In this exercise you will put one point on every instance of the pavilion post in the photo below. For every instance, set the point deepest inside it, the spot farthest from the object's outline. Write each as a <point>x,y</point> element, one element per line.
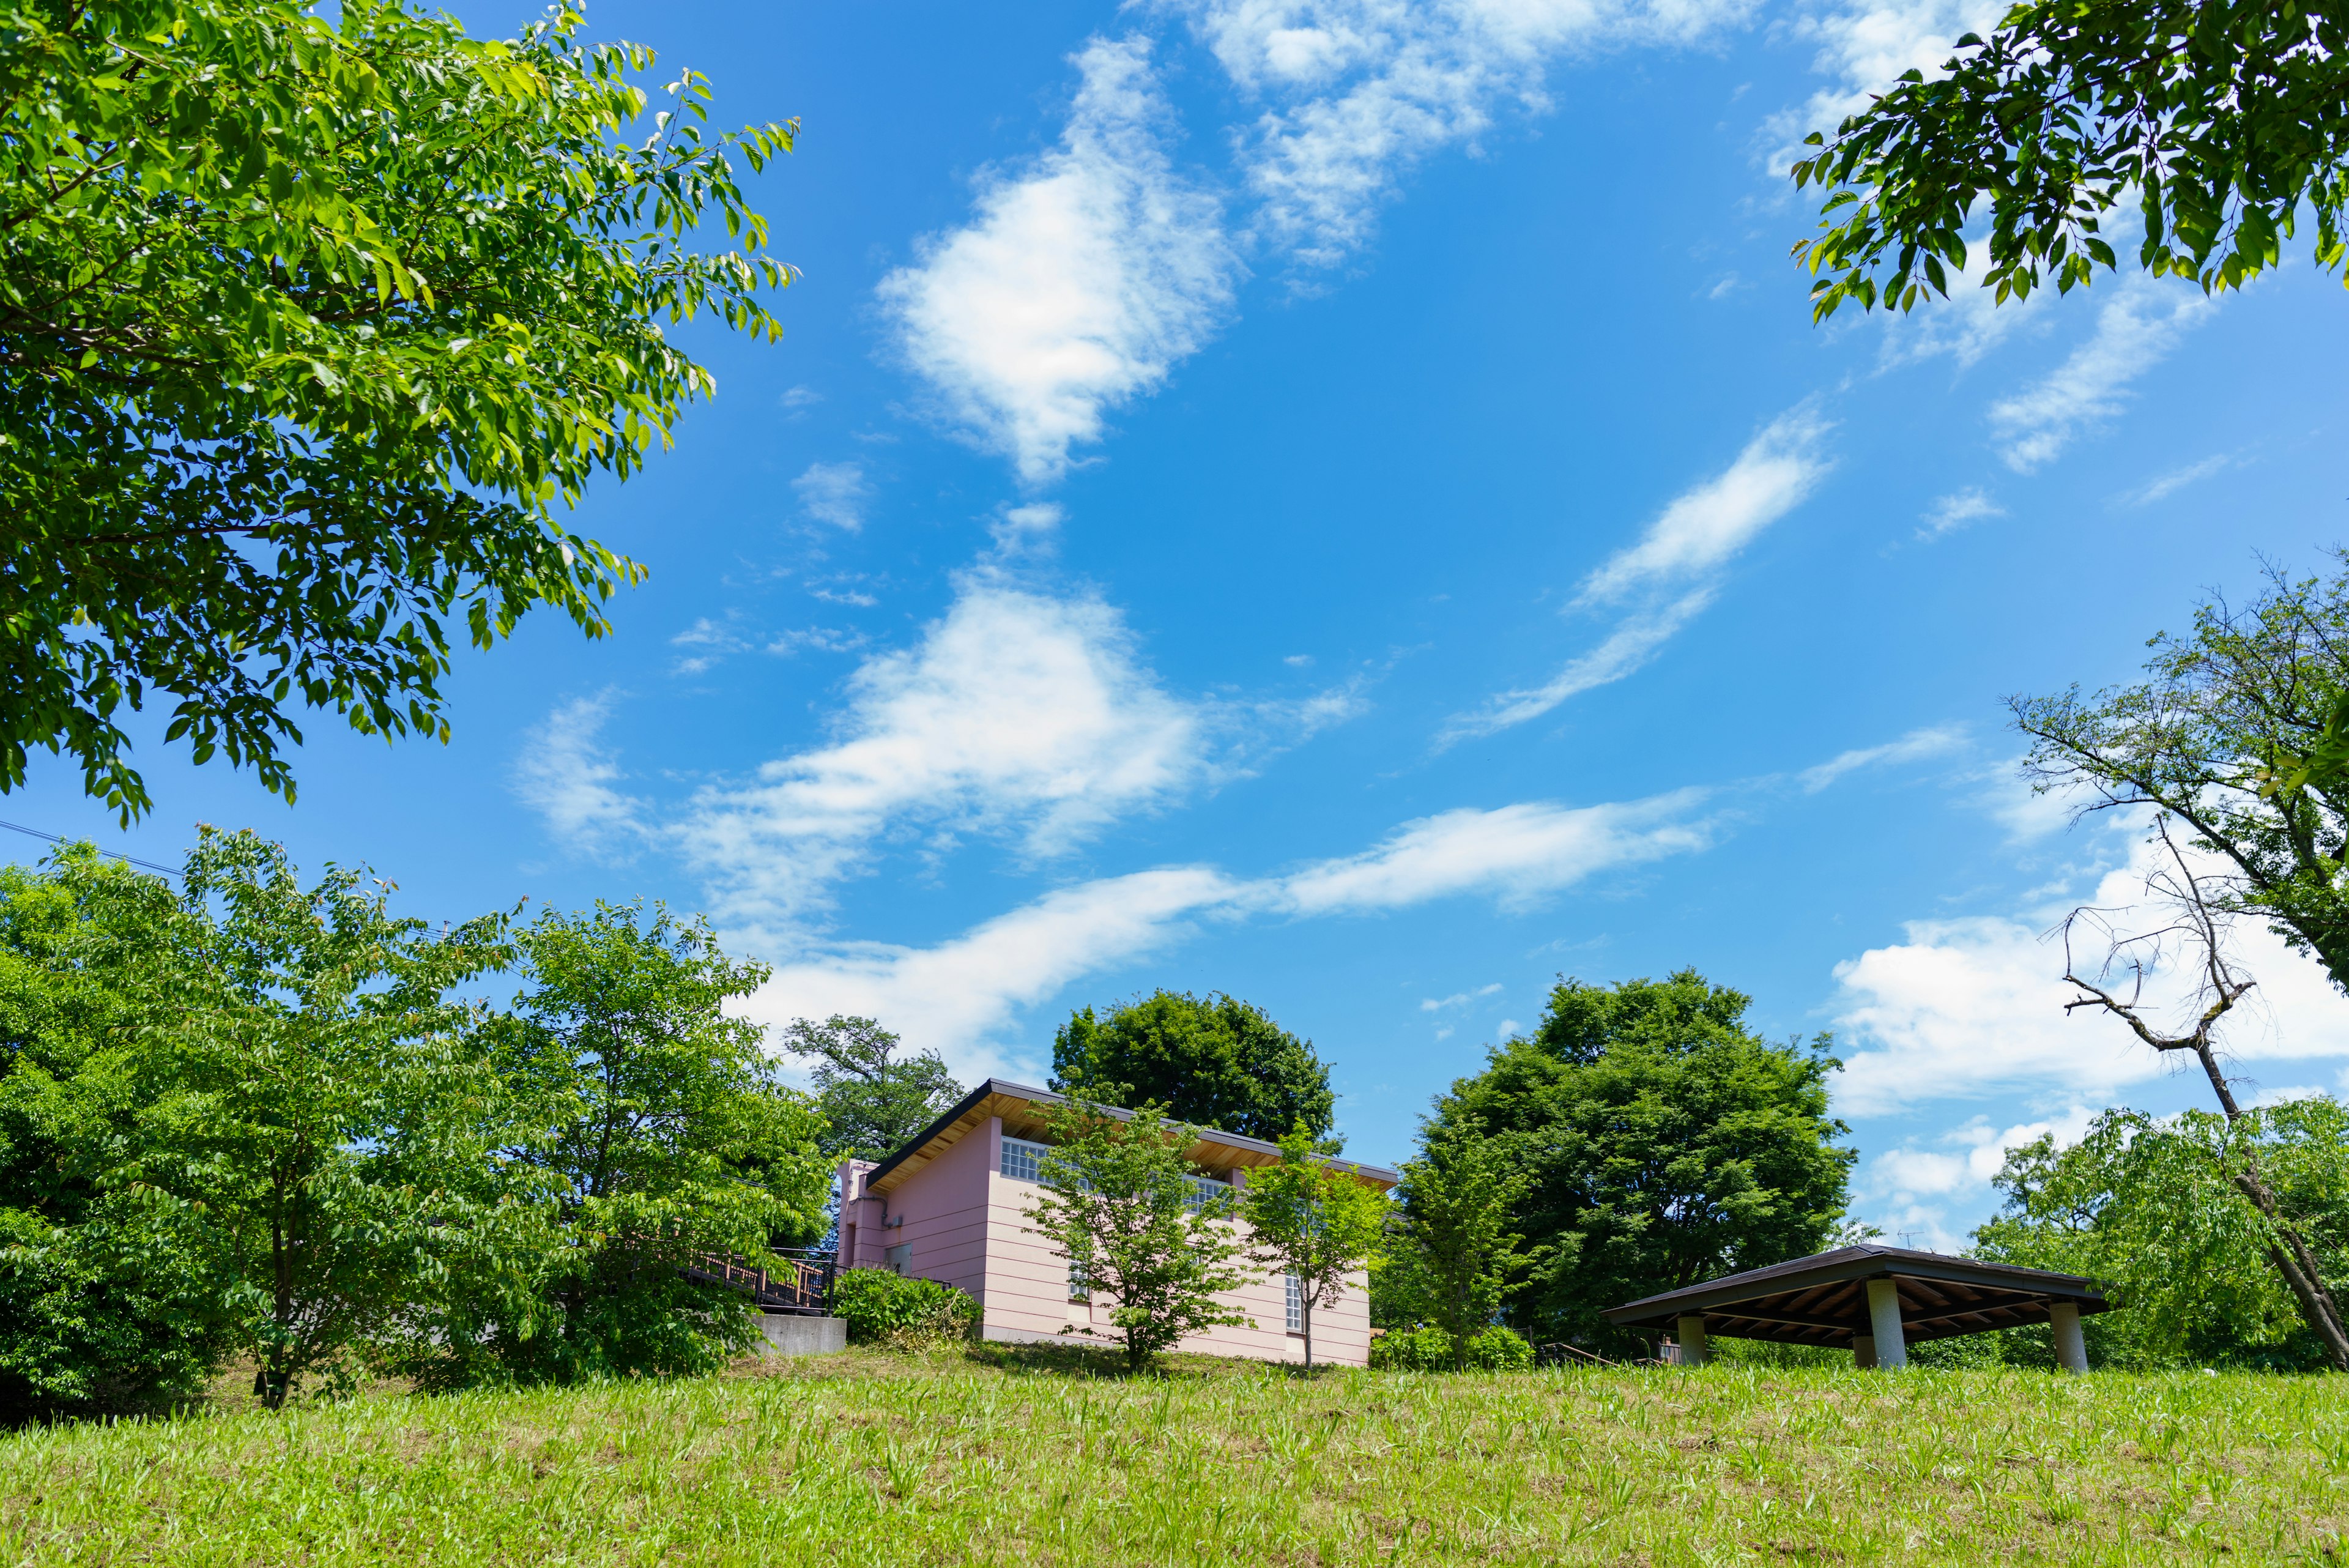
<point>1884,1317</point>
<point>1863,1351</point>
<point>2071,1345</point>
<point>1691,1336</point>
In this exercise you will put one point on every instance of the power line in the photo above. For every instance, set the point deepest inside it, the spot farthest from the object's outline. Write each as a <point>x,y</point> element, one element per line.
<point>56,838</point>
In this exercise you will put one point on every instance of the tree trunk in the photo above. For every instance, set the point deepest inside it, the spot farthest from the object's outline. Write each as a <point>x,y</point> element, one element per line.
<point>1309,1332</point>
<point>2291,1254</point>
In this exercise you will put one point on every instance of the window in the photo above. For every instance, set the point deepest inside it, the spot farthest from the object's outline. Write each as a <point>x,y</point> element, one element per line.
<point>1081,1283</point>
<point>1293,1288</point>
<point>1020,1159</point>
<point>898,1256</point>
<point>1205,1189</point>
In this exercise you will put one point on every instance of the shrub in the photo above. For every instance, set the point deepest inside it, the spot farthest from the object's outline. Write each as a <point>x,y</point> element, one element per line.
<point>883,1308</point>
<point>1496,1349</point>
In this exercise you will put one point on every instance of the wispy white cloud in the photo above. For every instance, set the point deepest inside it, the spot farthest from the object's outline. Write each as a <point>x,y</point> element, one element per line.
<point>961,996</point>
<point>1517,854</point>
<point>1631,644</point>
<point>1914,746</point>
<point>1957,509</point>
<point>2144,320</point>
<point>1019,711</point>
<point>834,492</point>
<point>957,996</point>
<point>1026,531</point>
<point>1458,998</point>
<point>567,776</point>
<point>1079,282</point>
<point>1669,575</point>
<point>1704,527</point>
<point>1357,92</point>
<point>2162,486</point>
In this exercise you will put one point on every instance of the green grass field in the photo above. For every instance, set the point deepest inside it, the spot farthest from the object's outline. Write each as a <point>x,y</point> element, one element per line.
<point>998,1456</point>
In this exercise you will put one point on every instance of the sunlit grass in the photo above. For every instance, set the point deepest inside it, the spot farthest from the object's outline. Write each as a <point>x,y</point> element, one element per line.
<point>1009,1458</point>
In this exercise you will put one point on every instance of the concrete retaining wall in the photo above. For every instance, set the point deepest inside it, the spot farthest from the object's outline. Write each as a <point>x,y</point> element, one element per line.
<point>788,1334</point>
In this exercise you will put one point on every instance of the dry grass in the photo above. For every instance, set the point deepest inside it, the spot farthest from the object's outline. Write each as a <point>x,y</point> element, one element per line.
<point>1041,1458</point>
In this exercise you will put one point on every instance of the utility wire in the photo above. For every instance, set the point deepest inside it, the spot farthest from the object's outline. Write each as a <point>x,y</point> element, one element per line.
<point>131,859</point>
<point>55,838</point>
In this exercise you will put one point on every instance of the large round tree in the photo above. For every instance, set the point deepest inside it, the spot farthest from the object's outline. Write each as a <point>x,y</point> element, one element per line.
<point>1214,1061</point>
<point>1665,1143</point>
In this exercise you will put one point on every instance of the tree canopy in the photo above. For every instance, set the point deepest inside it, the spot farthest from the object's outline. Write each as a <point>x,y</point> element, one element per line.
<point>2151,1206</point>
<point>872,1101</point>
<point>1126,1210</point>
<point>2219,121</point>
<point>1215,1060</point>
<point>2215,736</point>
<point>1314,1223</point>
<point>1663,1143</point>
<point>252,1115</point>
<point>306,323</point>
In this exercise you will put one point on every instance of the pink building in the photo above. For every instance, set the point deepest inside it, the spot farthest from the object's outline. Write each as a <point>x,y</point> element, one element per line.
<point>952,1204</point>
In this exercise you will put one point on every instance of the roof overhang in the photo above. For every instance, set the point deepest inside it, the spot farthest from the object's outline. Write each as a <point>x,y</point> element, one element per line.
<point>1823,1300</point>
<point>1025,1112</point>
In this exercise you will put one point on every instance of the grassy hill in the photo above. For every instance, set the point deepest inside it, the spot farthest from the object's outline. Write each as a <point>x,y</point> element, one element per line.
<point>1027,1459</point>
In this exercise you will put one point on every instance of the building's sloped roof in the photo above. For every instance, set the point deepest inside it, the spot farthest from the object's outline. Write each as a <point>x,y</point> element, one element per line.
<point>1822,1299</point>
<point>1023,1110</point>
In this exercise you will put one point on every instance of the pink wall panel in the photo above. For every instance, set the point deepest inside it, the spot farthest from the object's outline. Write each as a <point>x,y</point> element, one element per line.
<point>965,1224</point>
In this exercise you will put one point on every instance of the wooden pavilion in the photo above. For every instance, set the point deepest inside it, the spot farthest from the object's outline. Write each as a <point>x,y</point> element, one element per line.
<point>1872,1301</point>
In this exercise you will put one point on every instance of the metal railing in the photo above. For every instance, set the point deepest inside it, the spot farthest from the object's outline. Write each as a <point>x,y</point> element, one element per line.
<point>802,1285</point>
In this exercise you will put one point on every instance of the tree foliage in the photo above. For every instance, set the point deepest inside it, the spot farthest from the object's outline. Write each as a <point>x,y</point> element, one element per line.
<point>2217,120</point>
<point>872,1101</point>
<point>1214,1061</point>
<point>312,1132</point>
<point>95,1317</point>
<point>2215,736</point>
<point>1663,1141</point>
<point>661,1128</point>
<point>251,1115</point>
<point>1314,1222</point>
<point>2152,1206</point>
<point>307,322</point>
<point>1453,1261</point>
<point>1118,1198</point>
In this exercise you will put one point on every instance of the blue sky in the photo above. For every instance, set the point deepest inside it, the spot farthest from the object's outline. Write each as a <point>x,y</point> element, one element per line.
<point>1342,501</point>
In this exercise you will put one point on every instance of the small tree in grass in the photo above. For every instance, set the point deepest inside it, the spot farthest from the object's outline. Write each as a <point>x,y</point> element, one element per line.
<point>1128,1210</point>
<point>1315,1222</point>
<point>1457,1202</point>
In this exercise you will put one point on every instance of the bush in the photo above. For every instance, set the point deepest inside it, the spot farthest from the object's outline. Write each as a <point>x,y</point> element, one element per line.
<point>885,1308</point>
<point>1496,1349</point>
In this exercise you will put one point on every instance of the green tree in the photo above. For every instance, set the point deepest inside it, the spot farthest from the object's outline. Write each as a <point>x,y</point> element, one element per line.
<point>1214,1061</point>
<point>2217,120</point>
<point>2197,923</point>
<point>2152,1208</point>
<point>2215,737</point>
<point>661,1123</point>
<point>1459,1200</point>
<point>307,321</point>
<point>1664,1143</point>
<point>1118,1198</point>
<point>1314,1222</point>
<point>872,1101</point>
<point>98,1316</point>
<point>312,1132</point>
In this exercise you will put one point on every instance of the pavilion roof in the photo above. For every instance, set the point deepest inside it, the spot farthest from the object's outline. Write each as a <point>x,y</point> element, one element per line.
<point>1823,1300</point>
